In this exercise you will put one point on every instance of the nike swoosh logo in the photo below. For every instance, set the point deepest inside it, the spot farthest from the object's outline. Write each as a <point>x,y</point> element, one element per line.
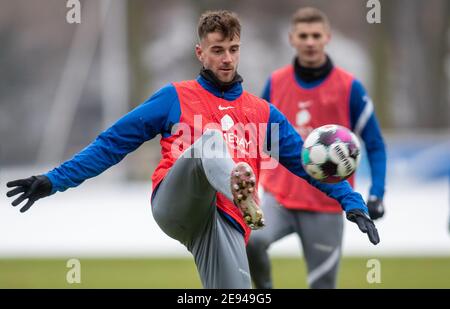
<point>222,108</point>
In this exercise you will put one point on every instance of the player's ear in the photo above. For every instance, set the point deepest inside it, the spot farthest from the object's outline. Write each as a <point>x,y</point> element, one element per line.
<point>327,34</point>
<point>199,52</point>
<point>291,37</point>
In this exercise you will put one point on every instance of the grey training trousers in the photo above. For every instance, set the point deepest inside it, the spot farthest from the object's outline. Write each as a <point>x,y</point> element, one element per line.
<point>320,235</point>
<point>184,207</point>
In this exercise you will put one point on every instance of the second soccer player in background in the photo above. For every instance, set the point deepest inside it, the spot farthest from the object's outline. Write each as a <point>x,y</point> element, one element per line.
<point>313,92</point>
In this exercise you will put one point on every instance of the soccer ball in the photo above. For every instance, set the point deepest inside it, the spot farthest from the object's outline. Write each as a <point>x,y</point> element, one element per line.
<point>331,153</point>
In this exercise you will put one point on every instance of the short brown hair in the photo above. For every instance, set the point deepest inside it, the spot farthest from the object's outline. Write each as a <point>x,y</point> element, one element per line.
<point>222,21</point>
<point>309,15</point>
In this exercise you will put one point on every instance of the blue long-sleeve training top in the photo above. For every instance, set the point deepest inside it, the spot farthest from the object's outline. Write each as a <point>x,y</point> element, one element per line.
<point>156,116</point>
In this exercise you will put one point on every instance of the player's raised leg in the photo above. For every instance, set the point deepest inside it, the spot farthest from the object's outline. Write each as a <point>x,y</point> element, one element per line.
<point>185,209</point>
<point>188,190</point>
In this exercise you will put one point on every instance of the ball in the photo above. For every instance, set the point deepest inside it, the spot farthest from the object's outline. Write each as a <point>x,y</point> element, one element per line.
<point>331,153</point>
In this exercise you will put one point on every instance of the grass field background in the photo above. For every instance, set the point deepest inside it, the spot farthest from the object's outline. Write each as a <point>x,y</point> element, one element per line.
<point>398,272</point>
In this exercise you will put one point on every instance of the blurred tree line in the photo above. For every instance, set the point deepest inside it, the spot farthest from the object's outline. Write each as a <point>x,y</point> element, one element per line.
<point>408,53</point>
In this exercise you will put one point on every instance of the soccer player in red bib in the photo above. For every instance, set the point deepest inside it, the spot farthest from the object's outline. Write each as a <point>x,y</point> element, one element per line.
<point>313,92</point>
<point>215,138</point>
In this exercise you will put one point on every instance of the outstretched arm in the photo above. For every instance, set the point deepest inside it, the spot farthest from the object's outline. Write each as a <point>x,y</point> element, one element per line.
<point>365,124</point>
<point>286,147</point>
<point>143,123</point>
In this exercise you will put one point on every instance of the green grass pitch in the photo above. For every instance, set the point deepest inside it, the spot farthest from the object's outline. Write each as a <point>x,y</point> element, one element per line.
<point>418,272</point>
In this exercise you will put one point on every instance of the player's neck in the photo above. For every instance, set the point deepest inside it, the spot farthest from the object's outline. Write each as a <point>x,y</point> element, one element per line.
<point>312,74</point>
<point>220,85</point>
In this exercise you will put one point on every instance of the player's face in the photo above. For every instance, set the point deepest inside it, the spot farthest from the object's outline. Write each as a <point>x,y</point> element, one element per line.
<point>220,55</point>
<point>310,39</point>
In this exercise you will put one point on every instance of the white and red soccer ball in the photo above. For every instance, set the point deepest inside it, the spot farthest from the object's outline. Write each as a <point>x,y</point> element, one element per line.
<point>331,153</point>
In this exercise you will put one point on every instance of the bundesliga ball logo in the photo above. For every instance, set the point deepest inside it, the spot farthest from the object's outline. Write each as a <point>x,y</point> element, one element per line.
<point>331,153</point>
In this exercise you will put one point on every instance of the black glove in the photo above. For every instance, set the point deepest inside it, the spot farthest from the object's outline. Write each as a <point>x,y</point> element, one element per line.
<point>365,224</point>
<point>34,188</point>
<point>376,207</point>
